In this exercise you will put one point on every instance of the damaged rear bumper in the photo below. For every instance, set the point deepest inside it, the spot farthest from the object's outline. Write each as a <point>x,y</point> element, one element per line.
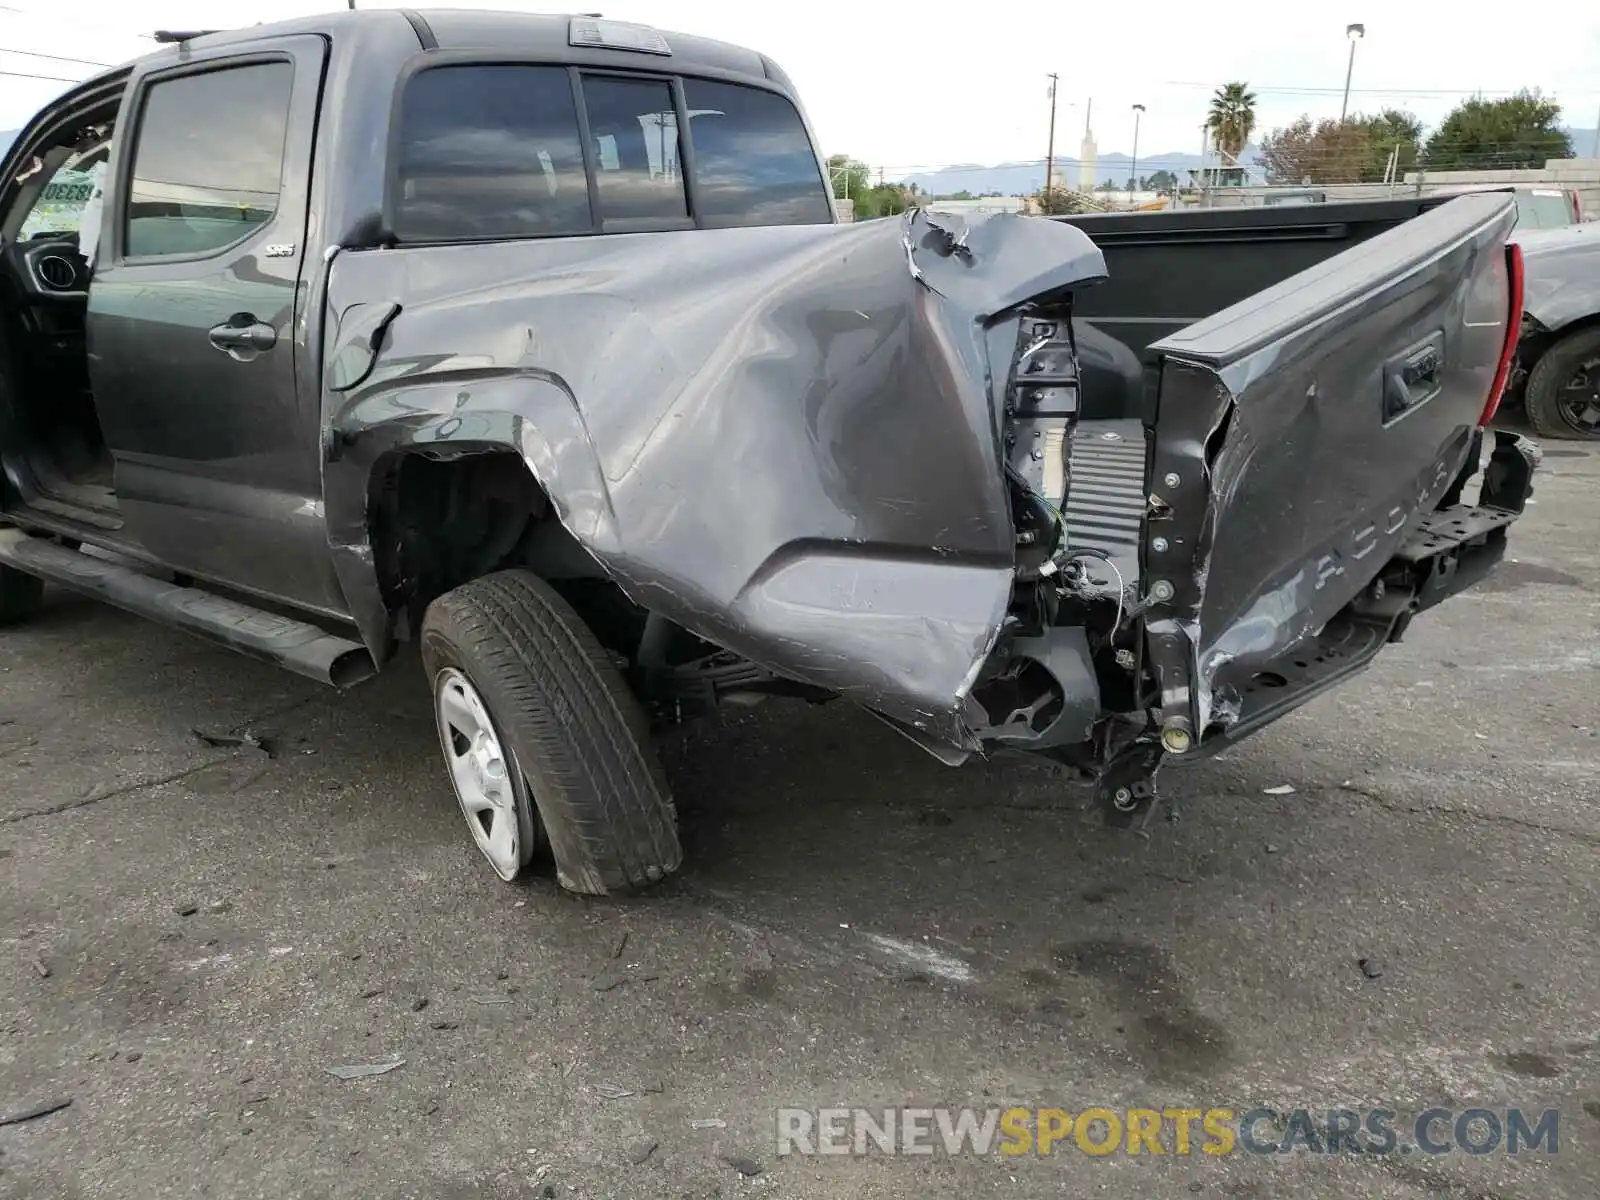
<point>1451,549</point>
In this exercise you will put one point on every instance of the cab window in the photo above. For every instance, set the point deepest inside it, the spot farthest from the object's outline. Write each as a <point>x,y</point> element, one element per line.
<point>753,160</point>
<point>490,152</point>
<point>1543,210</point>
<point>634,124</point>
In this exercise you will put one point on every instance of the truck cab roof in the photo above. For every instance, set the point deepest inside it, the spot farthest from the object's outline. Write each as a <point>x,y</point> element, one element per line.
<point>517,36</point>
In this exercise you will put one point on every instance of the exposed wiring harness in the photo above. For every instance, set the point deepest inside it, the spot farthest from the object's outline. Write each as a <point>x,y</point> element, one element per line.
<point>1074,554</point>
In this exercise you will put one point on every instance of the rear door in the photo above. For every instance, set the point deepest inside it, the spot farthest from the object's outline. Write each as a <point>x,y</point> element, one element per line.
<point>1302,433</point>
<point>192,326</point>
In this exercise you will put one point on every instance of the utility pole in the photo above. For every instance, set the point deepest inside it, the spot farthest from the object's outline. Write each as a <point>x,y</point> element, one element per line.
<point>1133,168</point>
<point>1355,33</point>
<point>1050,150</point>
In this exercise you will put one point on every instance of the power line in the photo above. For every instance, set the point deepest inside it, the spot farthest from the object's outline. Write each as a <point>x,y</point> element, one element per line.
<point>1395,91</point>
<point>88,62</point>
<point>26,75</point>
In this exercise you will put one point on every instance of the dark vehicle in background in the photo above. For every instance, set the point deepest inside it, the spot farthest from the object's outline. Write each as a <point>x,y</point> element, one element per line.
<point>532,341</point>
<point>1557,376</point>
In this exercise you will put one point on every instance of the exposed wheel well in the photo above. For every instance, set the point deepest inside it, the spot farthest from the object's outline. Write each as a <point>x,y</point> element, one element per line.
<point>1536,340</point>
<point>438,521</point>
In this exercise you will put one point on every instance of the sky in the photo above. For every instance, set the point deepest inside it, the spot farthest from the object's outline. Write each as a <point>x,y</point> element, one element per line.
<point>907,87</point>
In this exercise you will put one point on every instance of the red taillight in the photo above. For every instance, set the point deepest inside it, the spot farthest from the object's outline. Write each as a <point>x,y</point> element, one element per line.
<point>1508,352</point>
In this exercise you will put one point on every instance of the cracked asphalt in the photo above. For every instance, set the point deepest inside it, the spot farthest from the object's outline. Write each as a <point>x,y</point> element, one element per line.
<point>193,934</point>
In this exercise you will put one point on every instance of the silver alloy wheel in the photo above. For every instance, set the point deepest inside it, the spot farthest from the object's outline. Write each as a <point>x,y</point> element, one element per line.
<point>480,770</point>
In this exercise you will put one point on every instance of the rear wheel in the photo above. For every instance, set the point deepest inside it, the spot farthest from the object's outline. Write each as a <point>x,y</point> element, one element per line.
<point>492,792</point>
<point>540,732</point>
<point>21,595</point>
<point>1563,392</point>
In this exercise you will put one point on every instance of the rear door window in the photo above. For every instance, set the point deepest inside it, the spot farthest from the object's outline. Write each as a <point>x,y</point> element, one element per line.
<point>490,152</point>
<point>634,124</point>
<point>753,161</point>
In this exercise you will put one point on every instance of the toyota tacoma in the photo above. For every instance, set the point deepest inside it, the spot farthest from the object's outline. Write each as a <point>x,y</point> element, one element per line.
<point>534,341</point>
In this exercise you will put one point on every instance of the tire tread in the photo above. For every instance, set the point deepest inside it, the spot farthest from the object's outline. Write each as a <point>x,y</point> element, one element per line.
<point>1541,393</point>
<point>577,732</point>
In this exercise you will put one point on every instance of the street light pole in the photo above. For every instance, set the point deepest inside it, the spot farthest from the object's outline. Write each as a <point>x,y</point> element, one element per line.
<point>1355,33</point>
<point>1133,167</point>
<point>1050,151</point>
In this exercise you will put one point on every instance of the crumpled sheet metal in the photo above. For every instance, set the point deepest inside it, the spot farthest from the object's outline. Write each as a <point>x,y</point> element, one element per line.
<point>1278,473</point>
<point>1283,538</point>
<point>786,439</point>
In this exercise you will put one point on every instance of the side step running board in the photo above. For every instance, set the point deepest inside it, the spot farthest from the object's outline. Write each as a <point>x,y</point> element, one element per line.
<point>301,647</point>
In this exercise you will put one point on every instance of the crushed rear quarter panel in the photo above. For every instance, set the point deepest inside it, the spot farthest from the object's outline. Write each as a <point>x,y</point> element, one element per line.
<point>784,438</point>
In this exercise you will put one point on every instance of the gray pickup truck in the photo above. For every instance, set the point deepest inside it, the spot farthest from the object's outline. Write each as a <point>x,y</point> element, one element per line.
<point>1556,377</point>
<point>532,340</point>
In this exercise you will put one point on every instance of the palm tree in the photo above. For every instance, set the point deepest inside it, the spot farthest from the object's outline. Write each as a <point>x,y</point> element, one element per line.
<point>1232,118</point>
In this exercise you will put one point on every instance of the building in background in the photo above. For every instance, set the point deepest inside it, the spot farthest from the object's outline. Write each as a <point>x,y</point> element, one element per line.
<point>1087,151</point>
<point>980,204</point>
<point>1570,182</point>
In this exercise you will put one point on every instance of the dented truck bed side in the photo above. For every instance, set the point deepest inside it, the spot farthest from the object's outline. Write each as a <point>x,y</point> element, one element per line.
<point>784,439</point>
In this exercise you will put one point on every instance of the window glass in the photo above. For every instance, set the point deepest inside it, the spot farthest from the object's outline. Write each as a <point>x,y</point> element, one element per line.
<point>490,152</point>
<point>60,206</point>
<point>208,160</point>
<point>634,125</point>
<point>1538,210</point>
<point>753,163</point>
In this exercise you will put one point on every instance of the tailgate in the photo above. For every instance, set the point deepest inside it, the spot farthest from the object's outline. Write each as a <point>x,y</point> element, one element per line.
<point>1302,434</point>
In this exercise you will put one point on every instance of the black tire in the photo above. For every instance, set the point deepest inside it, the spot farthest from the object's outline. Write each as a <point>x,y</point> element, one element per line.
<point>575,730</point>
<point>1543,398</point>
<point>21,595</point>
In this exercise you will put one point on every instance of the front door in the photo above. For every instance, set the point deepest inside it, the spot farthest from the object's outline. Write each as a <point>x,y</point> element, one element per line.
<point>192,320</point>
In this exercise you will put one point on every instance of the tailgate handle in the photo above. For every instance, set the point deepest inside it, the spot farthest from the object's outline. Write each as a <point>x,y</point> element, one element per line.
<point>1413,377</point>
<point>1424,369</point>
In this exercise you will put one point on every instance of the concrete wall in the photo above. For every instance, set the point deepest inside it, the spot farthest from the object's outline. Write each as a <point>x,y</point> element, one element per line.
<point>985,204</point>
<point>1577,174</point>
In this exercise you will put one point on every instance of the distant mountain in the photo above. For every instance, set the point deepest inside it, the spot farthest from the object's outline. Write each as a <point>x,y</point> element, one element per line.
<point>1023,178</point>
